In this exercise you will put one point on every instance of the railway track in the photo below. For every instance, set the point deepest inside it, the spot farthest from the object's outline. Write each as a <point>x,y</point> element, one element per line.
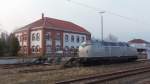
<point>11,66</point>
<point>58,67</point>
<point>99,78</point>
<point>24,68</point>
<point>36,69</point>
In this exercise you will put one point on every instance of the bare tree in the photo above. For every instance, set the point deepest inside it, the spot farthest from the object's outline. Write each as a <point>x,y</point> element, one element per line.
<point>111,38</point>
<point>14,46</point>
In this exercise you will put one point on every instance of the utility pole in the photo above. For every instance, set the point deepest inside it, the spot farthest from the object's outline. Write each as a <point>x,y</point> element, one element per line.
<point>101,13</point>
<point>102,31</point>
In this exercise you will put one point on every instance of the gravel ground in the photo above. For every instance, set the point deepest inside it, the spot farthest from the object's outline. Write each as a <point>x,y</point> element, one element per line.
<point>13,76</point>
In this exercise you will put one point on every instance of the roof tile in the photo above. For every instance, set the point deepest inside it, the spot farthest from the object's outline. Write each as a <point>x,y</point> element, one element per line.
<point>51,22</point>
<point>138,41</point>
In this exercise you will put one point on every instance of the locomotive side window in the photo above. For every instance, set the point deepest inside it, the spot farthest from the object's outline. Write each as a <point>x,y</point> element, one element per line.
<point>121,44</point>
<point>113,44</point>
<point>105,43</point>
<point>109,44</point>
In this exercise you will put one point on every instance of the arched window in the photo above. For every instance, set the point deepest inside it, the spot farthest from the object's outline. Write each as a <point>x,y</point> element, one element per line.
<point>33,37</point>
<point>37,48</point>
<point>66,38</point>
<point>78,39</point>
<point>33,48</point>
<point>37,36</point>
<point>72,38</point>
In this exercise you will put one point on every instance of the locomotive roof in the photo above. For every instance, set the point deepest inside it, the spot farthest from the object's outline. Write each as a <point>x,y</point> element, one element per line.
<point>114,43</point>
<point>104,43</point>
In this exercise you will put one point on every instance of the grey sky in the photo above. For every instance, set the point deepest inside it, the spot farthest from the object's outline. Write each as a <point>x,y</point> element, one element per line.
<point>17,13</point>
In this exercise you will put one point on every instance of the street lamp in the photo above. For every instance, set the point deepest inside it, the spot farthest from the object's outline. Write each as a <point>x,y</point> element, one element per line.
<point>101,13</point>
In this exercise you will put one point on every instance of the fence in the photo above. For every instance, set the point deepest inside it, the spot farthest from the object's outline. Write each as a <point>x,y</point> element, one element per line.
<point>60,56</point>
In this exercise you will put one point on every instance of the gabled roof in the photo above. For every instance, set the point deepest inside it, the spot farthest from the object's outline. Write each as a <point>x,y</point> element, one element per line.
<point>138,41</point>
<point>47,22</point>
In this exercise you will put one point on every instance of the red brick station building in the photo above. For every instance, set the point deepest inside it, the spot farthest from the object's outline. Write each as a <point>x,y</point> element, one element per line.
<point>48,35</point>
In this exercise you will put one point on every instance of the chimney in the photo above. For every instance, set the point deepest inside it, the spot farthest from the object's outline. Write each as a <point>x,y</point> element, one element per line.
<point>44,19</point>
<point>43,16</point>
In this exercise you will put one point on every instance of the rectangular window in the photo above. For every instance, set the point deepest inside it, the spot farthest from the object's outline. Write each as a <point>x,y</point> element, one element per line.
<point>83,39</point>
<point>48,48</point>
<point>66,38</point>
<point>72,38</point>
<point>58,36</point>
<point>48,36</point>
<point>58,48</point>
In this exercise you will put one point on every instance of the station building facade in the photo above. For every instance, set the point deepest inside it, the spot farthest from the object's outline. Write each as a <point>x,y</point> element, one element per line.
<point>142,46</point>
<point>49,35</point>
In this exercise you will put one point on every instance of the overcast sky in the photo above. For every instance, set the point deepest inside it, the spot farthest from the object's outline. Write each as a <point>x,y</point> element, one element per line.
<point>134,24</point>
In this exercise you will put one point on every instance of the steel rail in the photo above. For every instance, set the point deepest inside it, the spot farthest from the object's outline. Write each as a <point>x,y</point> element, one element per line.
<point>105,77</point>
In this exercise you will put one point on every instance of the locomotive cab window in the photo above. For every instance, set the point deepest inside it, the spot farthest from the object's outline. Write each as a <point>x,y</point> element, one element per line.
<point>105,44</point>
<point>120,44</point>
<point>84,45</point>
